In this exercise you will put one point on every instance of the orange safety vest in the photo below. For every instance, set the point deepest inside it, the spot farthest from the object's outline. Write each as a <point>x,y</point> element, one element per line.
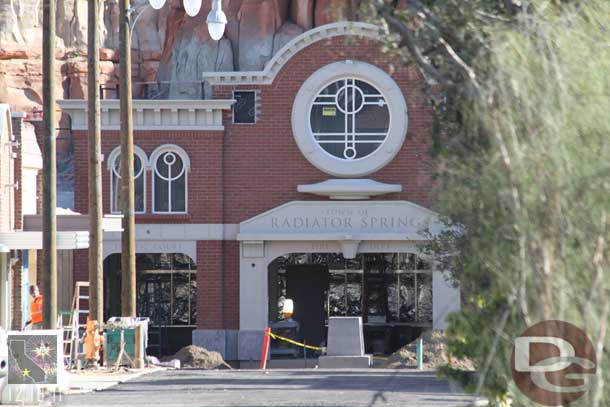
<point>36,310</point>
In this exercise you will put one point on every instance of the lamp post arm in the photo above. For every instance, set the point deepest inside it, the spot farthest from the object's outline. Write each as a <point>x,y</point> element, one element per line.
<point>135,20</point>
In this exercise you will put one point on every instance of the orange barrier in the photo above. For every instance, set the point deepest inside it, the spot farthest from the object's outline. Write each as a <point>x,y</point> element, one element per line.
<point>265,350</point>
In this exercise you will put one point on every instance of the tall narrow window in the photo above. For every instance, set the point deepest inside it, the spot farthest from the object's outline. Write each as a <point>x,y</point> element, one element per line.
<point>170,166</point>
<point>139,171</point>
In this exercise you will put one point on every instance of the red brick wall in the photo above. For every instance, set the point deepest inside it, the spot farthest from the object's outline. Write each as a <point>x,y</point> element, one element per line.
<point>204,179</point>
<point>16,316</point>
<point>217,300</point>
<point>263,166</point>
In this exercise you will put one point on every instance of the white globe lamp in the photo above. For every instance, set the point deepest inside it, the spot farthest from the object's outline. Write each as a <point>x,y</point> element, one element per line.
<point>192,7</point>
<point>217,20</point>
<point>157,4</point>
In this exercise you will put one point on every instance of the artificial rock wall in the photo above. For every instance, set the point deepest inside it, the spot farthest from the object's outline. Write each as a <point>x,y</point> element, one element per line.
<point>168,45</point>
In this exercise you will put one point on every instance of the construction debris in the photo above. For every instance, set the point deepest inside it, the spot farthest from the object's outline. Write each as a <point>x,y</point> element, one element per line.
<point>199,358</point>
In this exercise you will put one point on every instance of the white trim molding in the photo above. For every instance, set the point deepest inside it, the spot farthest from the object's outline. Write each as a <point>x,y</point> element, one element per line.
<point>349,189</point>
<point>275,64</point>
<point>173,148</point>
<point>194,115</point>
<point>69,240</point>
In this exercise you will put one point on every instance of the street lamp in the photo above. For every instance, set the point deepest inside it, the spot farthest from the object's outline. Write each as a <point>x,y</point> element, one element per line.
<point>217,20</point>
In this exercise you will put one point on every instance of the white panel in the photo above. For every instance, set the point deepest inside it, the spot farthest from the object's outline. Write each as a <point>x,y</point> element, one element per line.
<point>445,299</point>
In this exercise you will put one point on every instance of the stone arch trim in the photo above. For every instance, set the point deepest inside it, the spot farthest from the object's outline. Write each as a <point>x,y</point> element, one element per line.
<point>297,44</point>
<point>173,148</point>
<point>116,152</point>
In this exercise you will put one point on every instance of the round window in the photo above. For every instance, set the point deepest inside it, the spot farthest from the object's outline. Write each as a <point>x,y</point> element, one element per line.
<point>349,119</point>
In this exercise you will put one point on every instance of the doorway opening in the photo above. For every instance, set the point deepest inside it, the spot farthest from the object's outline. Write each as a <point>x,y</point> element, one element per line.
<point>392,292</point>
<point>166,293</point>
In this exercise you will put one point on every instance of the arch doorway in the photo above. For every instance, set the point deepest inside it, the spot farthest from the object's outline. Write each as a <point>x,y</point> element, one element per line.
<point>166,293</point>
<point>392,292</point>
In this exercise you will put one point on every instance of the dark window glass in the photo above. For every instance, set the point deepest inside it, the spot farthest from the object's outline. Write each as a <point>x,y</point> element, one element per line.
<point>139,180</point>
<point>167,288</point>
<point>349,119</point>
<point>244,109</point>
<point>170,183</point>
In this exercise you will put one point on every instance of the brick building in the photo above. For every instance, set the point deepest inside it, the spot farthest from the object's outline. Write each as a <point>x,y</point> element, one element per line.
<point>308,180</point>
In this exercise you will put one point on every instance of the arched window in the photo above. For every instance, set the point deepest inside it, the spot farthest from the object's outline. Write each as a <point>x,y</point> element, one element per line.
<point>170,165</point>
<point>140,162</point>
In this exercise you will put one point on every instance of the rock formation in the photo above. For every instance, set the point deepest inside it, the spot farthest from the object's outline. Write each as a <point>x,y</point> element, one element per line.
<point>170,49</point>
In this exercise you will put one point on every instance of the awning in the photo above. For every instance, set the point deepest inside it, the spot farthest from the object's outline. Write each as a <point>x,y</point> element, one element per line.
<point>33,240</point>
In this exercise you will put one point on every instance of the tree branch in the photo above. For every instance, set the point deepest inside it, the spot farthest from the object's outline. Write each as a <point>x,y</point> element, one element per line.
<point>410,42</point>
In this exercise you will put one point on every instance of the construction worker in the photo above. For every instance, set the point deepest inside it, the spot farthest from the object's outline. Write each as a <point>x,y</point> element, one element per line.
<point>36,317</point>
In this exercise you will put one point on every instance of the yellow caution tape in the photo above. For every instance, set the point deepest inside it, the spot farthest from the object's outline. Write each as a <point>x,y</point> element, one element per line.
<point>281,338</point>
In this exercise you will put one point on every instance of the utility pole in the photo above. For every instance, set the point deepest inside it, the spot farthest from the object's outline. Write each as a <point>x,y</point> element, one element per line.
<point>96,276</point>
<point>128,242</point>
<point>49,189</point>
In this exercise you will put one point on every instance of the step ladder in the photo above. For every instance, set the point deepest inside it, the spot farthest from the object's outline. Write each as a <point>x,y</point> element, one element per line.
<point>77,323</point>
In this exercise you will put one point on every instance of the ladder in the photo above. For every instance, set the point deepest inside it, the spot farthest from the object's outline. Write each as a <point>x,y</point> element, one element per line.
<point>72,331</point>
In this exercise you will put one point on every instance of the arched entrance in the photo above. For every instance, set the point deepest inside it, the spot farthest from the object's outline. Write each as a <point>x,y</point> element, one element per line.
<point>392,292</point>
<point>381,237</point>
<point>166,292</point>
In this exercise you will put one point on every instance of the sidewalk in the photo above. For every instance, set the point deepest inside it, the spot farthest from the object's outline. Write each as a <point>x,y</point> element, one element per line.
<point>89,381</point>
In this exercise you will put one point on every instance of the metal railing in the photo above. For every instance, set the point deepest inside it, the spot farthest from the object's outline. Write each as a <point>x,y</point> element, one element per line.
<point>158,90</point>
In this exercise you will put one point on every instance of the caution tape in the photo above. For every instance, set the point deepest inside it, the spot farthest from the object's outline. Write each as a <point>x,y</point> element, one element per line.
<point>281,338</point>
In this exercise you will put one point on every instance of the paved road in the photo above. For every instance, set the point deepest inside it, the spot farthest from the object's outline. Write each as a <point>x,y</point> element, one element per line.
<point>278,388</point>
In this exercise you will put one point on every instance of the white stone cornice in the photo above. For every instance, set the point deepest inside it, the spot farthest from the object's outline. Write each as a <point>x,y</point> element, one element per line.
<point>195,115</point>
<point>349,189</point>
<point>275,64</point>
<point>69,240</point>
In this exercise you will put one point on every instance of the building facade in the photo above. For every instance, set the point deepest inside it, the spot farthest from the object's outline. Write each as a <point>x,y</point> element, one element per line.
<point>309,180</point>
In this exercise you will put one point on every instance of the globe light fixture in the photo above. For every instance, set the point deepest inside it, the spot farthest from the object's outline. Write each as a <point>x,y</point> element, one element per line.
<point>192,7</point>
<point>157,4</point>
<point>217,20</point>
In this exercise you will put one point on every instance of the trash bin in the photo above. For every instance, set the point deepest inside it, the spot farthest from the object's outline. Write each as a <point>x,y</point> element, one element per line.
<point>133,332</point>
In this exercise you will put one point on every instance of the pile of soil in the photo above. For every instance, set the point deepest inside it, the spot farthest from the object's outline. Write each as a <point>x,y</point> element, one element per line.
<point>435,355</point>
<point>199,358</point>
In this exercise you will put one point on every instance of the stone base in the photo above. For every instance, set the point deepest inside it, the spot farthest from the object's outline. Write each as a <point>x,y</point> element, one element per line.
<point>223,341</point>
<point>249,345</point>
<point>345,362</point>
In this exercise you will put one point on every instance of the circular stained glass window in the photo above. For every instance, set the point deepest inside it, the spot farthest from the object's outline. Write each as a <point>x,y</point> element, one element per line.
<point>350,119</point>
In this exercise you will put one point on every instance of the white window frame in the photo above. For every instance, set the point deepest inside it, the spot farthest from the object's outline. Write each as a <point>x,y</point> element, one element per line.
<point>159,151</point>
<point>114,155</point>
<point>301,125</point>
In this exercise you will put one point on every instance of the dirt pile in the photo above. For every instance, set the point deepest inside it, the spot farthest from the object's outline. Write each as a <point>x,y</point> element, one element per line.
<point>435,355</point>
<point>199,358</point>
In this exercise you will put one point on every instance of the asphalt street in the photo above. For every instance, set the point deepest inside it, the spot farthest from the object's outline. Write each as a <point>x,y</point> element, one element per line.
<point>279,388</point>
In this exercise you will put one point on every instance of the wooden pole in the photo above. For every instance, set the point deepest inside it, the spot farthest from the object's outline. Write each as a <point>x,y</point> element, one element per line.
<point>128,257</point>
<point>96,276</point>
<point>49,189</point>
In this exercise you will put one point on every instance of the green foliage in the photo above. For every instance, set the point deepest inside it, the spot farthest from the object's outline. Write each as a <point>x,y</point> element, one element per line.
<point>522,141</point>
<point>531,197</point>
